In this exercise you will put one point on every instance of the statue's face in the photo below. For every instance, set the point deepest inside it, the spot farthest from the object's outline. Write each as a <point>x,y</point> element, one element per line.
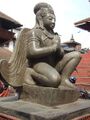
<point>49,21</point>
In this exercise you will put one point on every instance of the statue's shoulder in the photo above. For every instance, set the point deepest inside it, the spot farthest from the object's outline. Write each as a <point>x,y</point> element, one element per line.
<point>35,32</point>
<point>24,31</point>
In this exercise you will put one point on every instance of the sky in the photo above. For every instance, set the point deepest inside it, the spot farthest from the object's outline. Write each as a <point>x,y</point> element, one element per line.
<point>67,13</point>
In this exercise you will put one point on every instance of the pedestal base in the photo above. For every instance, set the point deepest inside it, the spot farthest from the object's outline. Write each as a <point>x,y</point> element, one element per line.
<point>31,111</point>
<point>49,96</point>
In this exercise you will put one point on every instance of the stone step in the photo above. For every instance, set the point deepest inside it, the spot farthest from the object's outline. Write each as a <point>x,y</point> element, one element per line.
<point>83,86</point>
<point>81,73</point>
<point>81,80</point>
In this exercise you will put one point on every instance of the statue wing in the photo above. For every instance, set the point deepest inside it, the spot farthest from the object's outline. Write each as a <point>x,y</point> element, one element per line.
<point>15,70</point>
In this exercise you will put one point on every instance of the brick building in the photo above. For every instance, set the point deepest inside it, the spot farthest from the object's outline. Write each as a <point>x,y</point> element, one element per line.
<point>83,69</point>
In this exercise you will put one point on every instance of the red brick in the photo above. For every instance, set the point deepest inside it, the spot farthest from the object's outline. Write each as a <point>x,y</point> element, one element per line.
<point>7,117</point>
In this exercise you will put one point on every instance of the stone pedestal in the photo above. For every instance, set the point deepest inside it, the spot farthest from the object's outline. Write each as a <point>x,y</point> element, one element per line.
<point>30,111</point>
<point>45,103</point>
<point>49,96</point>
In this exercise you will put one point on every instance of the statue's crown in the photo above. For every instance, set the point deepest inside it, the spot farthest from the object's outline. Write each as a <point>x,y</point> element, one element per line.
<point>42,5</point>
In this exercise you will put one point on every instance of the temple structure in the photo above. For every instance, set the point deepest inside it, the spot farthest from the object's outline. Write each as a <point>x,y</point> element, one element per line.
<point>7,34</point>
<point>72,43</point>
<point>83,69</point>
<point>7,25</point>
<point>83,24</point>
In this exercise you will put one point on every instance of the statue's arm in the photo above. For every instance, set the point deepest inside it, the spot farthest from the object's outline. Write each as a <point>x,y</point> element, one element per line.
<point>35,50</point>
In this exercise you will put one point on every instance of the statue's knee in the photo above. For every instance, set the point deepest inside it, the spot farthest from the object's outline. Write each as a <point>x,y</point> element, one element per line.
<point>56,79</point>
<point>77,55</point>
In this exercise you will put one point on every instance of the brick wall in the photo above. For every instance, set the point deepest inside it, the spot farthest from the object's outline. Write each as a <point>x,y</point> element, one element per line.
<point>83,71</point>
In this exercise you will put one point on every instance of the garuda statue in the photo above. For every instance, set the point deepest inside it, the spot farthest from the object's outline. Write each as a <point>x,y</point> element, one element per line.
<point>38,58</point>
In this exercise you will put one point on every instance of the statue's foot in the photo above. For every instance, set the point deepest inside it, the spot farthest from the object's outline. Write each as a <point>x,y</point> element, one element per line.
<point>67,83</point>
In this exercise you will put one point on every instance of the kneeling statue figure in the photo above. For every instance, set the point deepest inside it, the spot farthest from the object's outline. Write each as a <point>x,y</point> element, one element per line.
<point>38,58</point>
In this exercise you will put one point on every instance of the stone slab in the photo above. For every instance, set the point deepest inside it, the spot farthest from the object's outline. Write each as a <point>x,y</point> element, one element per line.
<point>49,96</point>
<point>31,111</point>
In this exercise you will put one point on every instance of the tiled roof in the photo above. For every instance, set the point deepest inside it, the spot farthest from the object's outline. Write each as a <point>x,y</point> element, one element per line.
<point>83,24</point>
<point>72,42</point>
<point>11,21</point>
<point>82,21</point>
<point>4,16</point>
<point>82,72</point>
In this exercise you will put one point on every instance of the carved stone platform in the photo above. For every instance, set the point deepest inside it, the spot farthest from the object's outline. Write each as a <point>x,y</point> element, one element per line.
<point>24,110</point>
<point>49,96</point>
